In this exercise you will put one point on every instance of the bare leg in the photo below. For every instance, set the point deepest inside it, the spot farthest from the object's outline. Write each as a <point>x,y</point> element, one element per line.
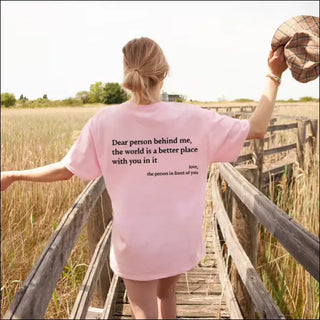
<point>166,296</point>
<point>142,298</point>
<point>132,313</point>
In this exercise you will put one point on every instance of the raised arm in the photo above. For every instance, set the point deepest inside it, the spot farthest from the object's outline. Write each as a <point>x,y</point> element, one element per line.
<point>52,172</point>
<point>260,118</point>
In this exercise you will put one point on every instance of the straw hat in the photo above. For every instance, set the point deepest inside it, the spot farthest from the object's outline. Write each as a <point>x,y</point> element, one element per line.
<point>300,38</point>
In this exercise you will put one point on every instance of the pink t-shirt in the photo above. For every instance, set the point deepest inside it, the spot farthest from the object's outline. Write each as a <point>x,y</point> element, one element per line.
<point>154,160</point>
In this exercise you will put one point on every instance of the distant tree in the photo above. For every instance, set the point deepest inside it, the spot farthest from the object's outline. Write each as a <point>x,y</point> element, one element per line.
<point>243,100</point>
<point>21,97</point>
<point>307,99</point>
<point>8,99</point>
<point>96,92</point>
<point>71,102</point>
<point>45,96</point>
<point>83,96</point>
<point>113,93</point>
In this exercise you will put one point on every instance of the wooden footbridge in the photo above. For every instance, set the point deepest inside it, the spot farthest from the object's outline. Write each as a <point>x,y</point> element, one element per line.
<point>225,284</point>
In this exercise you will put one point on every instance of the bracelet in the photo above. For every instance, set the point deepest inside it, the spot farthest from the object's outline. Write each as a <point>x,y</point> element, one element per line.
<point>275,78</point>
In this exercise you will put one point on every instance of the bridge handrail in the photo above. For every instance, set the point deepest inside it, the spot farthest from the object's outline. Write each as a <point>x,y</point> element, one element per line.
<point>265,305</point>
<point>34,296</point>
<point>83,300</point>
<point>301,244</point>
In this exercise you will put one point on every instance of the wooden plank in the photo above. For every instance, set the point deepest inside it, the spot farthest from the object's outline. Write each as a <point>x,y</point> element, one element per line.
<point>278,169</point>
<point>81,305</point>
<point>283,116</point>
<point>183,310</point>
<point>205,271</point>
<point>288,147</point>
<point>223,316</point>
<point>245,157</point>
<point>185,298</point>
<point>199,277</point>
<point>279,127</point>
<point>275,174</point>
<point>265,306</point>
<point>112,297</point>
<point>231,300</point>
<point>301,244</point>
<point>33,298</point>
<point>191,288</point>
<point>94,313</point>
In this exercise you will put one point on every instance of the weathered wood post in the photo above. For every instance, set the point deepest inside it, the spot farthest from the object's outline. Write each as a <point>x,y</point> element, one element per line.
<point>272,134</point>
<point>226,196</point>
<point>301,133</point>
<point>258,147</point>
<point>246,228</point>
<point>97,222</point>
<point>314,132</point>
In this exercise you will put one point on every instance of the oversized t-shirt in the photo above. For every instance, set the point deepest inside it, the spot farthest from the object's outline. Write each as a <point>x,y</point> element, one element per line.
<point>154,160</point>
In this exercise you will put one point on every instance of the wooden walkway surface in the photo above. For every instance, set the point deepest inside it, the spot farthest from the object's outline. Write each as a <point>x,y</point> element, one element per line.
<point>199,291</point>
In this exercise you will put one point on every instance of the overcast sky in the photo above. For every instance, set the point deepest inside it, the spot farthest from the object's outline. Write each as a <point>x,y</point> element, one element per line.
<point>215,49</point>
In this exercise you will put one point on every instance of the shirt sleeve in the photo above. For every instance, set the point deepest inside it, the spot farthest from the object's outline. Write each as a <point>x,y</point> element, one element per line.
<point>226,137</point>
<point>82,158</point>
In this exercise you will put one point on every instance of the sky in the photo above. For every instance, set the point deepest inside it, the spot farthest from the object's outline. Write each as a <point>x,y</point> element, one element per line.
<point>217,50</point>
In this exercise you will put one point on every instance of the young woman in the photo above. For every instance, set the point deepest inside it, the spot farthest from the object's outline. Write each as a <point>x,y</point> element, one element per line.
<point>154,157</point>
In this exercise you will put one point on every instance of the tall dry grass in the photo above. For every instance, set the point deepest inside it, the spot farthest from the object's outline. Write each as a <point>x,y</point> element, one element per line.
<point>31,211</point>
<point>294,290</point>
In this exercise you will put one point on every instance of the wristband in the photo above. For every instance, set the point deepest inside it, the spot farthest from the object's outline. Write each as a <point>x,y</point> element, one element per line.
<point>275,78</point>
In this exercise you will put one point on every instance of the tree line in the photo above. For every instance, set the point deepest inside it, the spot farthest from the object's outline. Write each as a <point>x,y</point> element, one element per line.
<point>107,93</point>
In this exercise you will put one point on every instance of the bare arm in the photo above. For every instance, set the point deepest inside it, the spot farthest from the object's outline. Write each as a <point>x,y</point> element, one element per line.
<point>260,118</point>
<point>52,172</point>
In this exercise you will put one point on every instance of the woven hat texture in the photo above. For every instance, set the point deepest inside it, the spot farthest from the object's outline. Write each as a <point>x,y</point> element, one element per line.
<point>300,38</point>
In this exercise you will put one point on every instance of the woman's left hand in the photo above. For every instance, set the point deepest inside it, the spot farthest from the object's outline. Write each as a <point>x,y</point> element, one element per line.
<point>277,62</point>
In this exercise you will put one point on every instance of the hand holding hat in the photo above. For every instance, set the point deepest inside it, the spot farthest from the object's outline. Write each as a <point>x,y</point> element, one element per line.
<point>300,38</point>
<point>277,62</point>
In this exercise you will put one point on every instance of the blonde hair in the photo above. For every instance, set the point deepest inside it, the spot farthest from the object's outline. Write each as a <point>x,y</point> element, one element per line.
<point>144,67</point>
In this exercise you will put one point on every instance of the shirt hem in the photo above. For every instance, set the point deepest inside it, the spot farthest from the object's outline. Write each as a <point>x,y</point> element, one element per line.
<point>155,277</point>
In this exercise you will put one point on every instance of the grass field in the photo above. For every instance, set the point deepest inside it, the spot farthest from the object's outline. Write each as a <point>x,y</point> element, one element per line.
<point>31,211</point>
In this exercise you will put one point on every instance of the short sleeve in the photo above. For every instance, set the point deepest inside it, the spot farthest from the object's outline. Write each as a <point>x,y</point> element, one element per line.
<point>226,137</point>
<point>82,158</point>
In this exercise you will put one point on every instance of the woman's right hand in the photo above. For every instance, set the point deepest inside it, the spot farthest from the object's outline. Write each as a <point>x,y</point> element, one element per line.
<point>7,178</point>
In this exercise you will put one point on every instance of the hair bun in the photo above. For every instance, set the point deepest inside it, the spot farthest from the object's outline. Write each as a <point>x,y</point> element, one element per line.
<point>144,67</point>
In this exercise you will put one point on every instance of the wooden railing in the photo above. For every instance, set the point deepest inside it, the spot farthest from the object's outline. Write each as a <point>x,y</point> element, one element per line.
<point>256,208</point>
<point>243,203</point>
<point>34,296</point>
<point>258,155</point>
